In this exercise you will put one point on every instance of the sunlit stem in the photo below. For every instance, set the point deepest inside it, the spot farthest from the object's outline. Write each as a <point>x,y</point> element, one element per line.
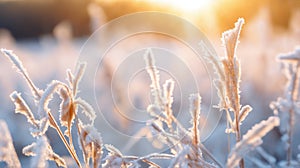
<point>62,137</point>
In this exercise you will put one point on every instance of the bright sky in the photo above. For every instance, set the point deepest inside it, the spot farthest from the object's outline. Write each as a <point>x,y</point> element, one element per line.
<point>186,5</point>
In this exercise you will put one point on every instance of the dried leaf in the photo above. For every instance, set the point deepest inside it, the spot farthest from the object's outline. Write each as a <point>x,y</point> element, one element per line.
<point>67,109</point>
<point>46,97</point>
<point>22,108</point>
<point>56,158</point>
<point>77,77</point>
<point>244,112</point>
<point>70,77</point>
<point>29,150</point>
<point>168,92</point>
<point>19,66</point>
<point>195,109</point>
<point>113,150</point>
<point>87,109</point>
<point>168,97</point>
<point>43,109</point>
<point>154,75</point>
<point>220,86</point>
<point>230,38</point>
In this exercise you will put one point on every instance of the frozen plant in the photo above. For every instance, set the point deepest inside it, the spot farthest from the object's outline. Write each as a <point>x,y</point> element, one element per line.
<point>288,106</point>
<point>186,148</point>
<point>228,72</point>
<point>185,144</point>
<point>90,140</point>
<point>227,83</point>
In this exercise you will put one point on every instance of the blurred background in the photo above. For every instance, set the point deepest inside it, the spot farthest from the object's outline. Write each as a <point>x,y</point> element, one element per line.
<point>32,19</point>
<point>48,35</point>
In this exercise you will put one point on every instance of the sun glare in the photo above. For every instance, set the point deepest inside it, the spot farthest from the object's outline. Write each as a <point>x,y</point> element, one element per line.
<point>186,5</point>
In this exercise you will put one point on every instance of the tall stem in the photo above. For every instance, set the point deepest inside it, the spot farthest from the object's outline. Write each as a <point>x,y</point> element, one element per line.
<point>290,134</point>
<point>293,97</point>
<point>62,137</point>
<point>238,135</point>
<point>237,124</point>
<point>228,125</point>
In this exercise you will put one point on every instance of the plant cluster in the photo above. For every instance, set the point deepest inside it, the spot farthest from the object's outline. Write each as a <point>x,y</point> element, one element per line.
<point>185,147</point>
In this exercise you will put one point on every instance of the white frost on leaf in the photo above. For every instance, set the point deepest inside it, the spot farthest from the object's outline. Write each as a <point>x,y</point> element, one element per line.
<point>17,63</point>
<point>22,107</point>
<point>87,109</point>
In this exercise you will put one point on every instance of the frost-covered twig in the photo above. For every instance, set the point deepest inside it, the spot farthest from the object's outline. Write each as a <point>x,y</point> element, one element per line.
<point>185,144</point>
<point>228,81</point>
<point>251,140</point>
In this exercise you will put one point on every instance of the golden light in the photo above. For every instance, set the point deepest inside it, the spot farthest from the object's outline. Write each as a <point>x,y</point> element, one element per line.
<point>185,5</point>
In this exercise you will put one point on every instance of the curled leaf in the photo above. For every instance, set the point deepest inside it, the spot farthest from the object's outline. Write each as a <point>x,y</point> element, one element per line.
<point>87,109</point>
<point>230,38</point>
<point>22,108</point>
<point>43,109</point>
<point>67,110</point>
<point>244,112</point>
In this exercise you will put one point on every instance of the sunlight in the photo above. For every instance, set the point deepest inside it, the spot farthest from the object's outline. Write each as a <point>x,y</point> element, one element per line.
<point>186,5</point>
